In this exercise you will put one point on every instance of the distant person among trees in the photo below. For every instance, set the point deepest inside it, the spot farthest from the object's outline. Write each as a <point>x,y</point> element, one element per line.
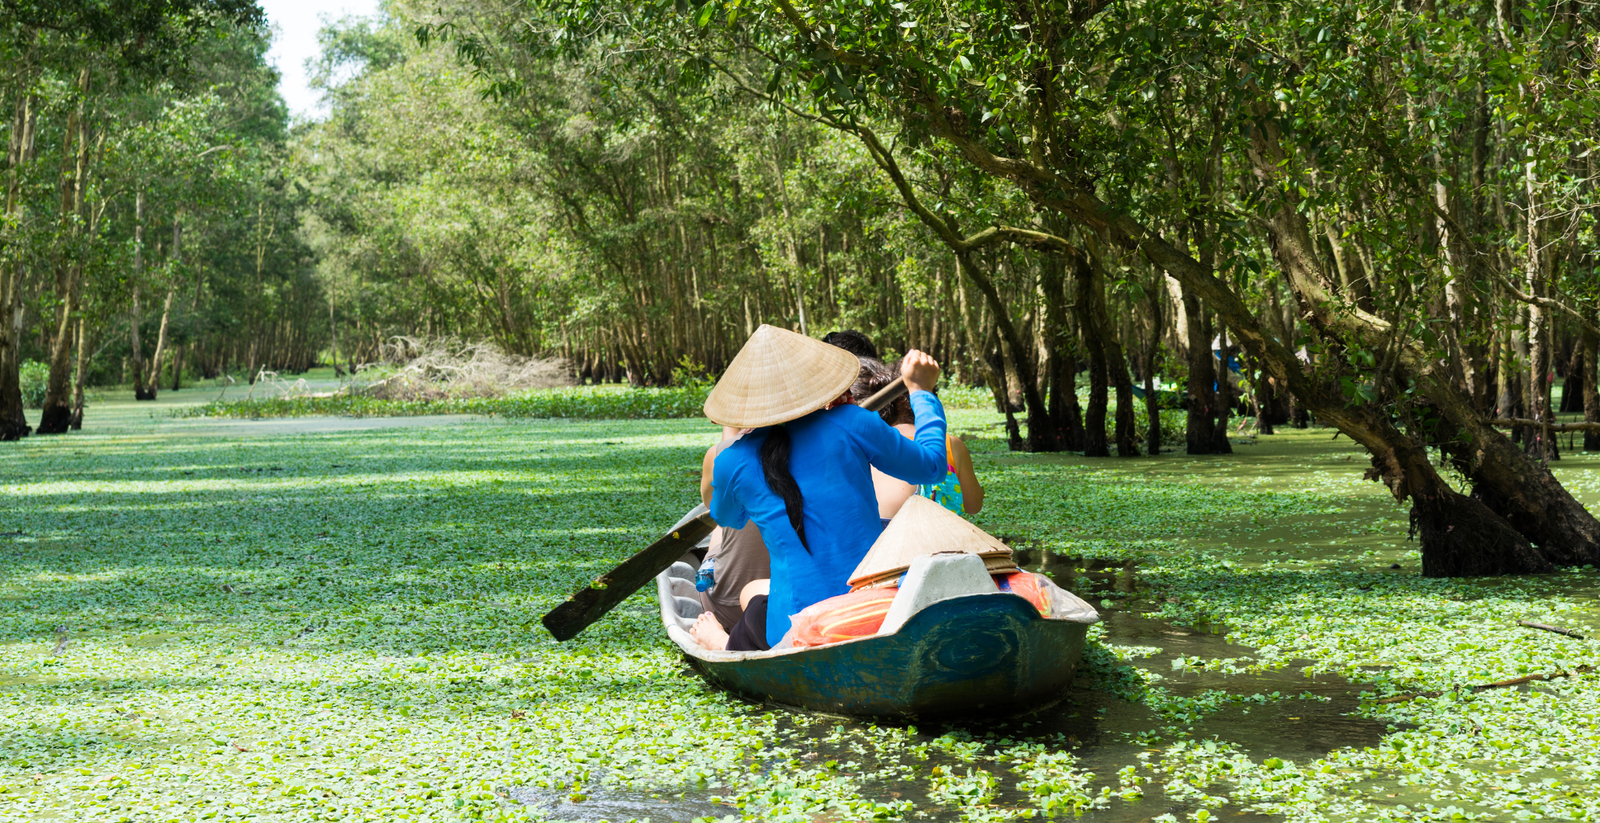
<point>959,490</point>
<point>817,512</point>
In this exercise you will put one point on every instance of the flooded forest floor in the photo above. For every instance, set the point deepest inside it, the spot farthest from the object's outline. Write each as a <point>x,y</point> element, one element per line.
<point>315,619</point>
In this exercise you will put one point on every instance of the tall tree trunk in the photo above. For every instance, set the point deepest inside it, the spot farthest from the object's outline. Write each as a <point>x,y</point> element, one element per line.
<point>1590,347</point>
<point>1094,419</point>
<point>135,313</point>
<point>1056,358</point>
<point>1266,402</point>
<point>1540,442</point>
<point>80,375</point>
<point>1224,389</point>
<point>1156,303</point>
<point>13,421</point>
<point>1198,392</point>
<point>161,344</point>
<point>56,417</point>
<point>1115,363</point>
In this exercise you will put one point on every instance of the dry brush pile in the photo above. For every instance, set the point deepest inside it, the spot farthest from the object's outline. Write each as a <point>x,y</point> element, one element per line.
<point>420,368</point>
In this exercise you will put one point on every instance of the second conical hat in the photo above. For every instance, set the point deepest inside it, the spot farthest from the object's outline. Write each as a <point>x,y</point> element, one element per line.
<point>779,376</point>
<point>923,527</point>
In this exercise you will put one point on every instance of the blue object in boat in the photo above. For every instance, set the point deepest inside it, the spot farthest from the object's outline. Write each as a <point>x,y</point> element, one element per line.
<point>706,577</point>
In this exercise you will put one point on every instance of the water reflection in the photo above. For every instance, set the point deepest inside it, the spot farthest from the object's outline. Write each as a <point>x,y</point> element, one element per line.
<point>619,804</point>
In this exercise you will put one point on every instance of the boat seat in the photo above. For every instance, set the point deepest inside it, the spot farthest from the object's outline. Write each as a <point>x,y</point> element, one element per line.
<point>934,578</point>
<point>687,608</point>
<point>683,588</point>
<point>682,570</point>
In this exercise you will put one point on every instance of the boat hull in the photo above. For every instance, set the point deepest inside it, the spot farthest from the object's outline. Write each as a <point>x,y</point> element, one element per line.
<point>981,654</point>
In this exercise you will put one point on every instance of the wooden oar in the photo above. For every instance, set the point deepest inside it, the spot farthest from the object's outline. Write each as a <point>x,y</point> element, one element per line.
<point>591,602</point>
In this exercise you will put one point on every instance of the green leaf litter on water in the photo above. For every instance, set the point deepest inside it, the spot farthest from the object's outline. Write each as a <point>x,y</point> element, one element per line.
<point>345,625</point>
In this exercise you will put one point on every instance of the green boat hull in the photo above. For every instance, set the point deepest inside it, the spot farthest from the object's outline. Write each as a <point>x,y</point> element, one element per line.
<point>974,655</point>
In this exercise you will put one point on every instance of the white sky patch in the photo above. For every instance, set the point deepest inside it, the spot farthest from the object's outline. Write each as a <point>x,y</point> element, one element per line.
<point>294,41</point>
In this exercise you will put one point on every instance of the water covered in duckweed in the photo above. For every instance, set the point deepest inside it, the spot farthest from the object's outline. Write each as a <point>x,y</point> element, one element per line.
<point>305,620</point>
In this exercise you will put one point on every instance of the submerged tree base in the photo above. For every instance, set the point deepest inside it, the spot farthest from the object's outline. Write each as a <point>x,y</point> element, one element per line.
<point>1461,537</point>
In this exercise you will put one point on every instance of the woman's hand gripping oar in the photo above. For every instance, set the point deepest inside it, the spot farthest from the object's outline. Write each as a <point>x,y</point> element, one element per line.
<point>591,602</point>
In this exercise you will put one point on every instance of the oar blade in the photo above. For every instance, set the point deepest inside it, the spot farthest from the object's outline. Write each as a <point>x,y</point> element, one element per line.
<point>591,602</point>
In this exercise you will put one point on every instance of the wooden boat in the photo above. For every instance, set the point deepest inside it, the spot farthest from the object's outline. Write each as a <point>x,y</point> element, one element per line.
<point>975,654</point>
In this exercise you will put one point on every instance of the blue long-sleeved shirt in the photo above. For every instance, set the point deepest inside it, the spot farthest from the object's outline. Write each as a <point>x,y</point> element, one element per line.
<point>829,458</point>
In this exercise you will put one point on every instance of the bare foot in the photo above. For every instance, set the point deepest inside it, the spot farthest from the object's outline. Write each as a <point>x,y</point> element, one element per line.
<point>708,632</point>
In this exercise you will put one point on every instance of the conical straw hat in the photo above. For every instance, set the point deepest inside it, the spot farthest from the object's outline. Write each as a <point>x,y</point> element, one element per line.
<point>779,376</point>
<point>923,527</point>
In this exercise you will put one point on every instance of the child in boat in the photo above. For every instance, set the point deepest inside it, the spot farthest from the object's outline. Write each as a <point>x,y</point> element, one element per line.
<point>852,341</point>
<point>817,514</point>
<point>959,489</point>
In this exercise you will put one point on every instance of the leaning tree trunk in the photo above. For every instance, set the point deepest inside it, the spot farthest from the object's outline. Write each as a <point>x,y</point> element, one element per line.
<point>978,352</point>
<point>1516,502</point>
<point>57,415</point>
<point>1033,401</point>
<point>1514,484</point>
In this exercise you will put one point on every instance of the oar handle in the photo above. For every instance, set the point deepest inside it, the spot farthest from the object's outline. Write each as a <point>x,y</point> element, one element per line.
<point>885,395</point>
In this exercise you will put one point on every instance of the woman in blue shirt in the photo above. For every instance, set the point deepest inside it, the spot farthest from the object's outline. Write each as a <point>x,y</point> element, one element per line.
<point>803,474</point>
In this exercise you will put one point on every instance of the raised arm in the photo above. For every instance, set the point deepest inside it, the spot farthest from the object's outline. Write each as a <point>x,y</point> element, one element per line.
<point>921,459</point>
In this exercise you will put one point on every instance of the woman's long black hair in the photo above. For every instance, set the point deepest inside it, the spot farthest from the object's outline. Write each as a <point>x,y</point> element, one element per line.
<point>775,465</point>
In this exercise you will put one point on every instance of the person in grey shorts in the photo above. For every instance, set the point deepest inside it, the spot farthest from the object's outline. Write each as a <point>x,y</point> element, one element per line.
<point>741,555</point>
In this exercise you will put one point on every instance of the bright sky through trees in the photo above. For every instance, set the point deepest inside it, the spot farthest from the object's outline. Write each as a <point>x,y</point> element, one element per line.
<point>294,41</point>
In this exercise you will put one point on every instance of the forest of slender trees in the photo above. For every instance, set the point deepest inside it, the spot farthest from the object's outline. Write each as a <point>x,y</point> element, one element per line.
<point>1380,217</point>
<point>149,227</point>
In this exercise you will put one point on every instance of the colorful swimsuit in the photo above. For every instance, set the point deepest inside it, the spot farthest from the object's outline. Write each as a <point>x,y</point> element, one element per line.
<point>946,492</point>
